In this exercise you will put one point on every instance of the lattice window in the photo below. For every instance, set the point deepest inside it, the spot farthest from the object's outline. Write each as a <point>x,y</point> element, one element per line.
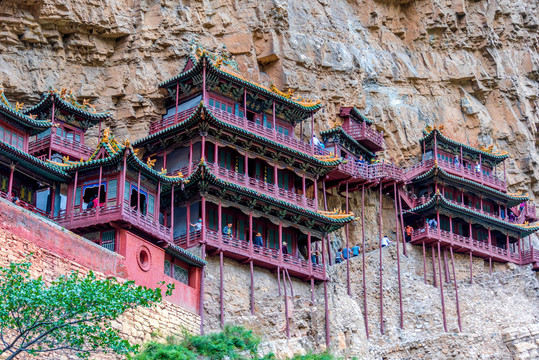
<point>108,239</point>
<point>181,274</point>
<point>167,268</point>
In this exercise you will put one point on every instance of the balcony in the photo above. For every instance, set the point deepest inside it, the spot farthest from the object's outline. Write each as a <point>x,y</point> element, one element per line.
<point>242,250</point>
<point>62,145</point>
<point>525,213</point>
<point>242,123</point>
<point>469,174</point>
<point>95,218</point>
<point>463,244</point>
<point>372,172</point>
<point>168,121</point>
<point>366,135</point>
<point>26,206</point>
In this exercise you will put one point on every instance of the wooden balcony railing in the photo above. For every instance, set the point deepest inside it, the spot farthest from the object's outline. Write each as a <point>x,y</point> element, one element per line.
<point>463,242</point>
<point>26,206</point>
<point>168,121</point>
<point>263,255</point>
<point>362,132</point>
<point>372,172</point>
<point>62,145</point>
<point>91,217</point>
<point>459,170</point>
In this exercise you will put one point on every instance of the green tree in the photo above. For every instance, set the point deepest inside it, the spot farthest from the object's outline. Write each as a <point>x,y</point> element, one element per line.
<point>73,313</point>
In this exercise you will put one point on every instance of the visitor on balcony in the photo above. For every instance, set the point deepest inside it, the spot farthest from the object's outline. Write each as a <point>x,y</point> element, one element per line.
<point>314,257</point>
<point>197,225</point>
<point>339,258</point>
<point>477,167</point>
<point>433,224</point>
<point>16,200</point>
<point>318,144</point>
<point>346,253</point>
<point>456,162</point>
<point>258,241</point>
<point>360,160</point>
<point>409,231</point>
<point>355,250</point>
<point>284,248</point>
<point>227,231</point>
<point>386,241</point>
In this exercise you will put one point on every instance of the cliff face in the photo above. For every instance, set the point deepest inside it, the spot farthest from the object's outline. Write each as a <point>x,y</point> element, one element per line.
<point>470,65</point>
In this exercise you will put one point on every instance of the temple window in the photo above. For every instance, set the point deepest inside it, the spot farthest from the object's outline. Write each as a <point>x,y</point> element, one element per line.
<point>184,106</point>
<point>11,137</point>
<point>69,134</point>
<point>90,192</point>
<point>133,199</point>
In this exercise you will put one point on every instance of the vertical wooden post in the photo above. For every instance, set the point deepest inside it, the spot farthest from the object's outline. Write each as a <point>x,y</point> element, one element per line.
<point>74,194</point>
<point>312,133</point>
<point>436,146</point>
<point>251,234</point>
<point>489,253</point>
<point>204,81</point>
<point>216,154</point>
<point>424,264</point>
<point>347,248</point>
<point>381,271</point>
<point>139,210</point>
<point>245,103</point>
<point>398,255</point>
<point>507,243</point>
<point>275,179</point>
<point>316,193</point>
<point>53,130</point>
<point>402,224</point>
<point>286,307</point>
<point>471,267</point>
<point>98,207</point>
<point>203,214</point>
<point>461,162</point>
<point>188,218</point>
<point>203,148</point>
<point>274,121</point>
<point>220,226</point>
<point>434,267</point>
<point>363,260</point>
<point>246,169</point>
<point>201,295</point>
<point>221,288</point>
<point>441,286</point>
<point>177,96</point>
<point>171,211</point>
<point>309,253</point>
<point>456,288</point>
<point>52,194</point>
<point>10,185</point>
<point>252,288</point>
<point>281,243</point>
<point>326,209</point>
<point>190,165</point>
<point>158,203</point>
<point>303,189</point>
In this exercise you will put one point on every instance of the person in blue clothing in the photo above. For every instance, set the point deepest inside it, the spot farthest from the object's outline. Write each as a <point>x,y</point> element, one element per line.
<point>346,253</point>
<point>355,250</point>
<point>339,259</point>
<point>227,231</point>
<point>258,240</point>
<point>314,257</point>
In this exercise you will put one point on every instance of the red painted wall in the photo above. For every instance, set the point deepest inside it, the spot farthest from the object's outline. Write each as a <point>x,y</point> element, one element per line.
<point>145,265</point>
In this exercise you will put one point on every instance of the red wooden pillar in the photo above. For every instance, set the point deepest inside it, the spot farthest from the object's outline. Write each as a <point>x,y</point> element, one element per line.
<point>312,133</point>
<point>326,306</point>
<point>251,233</point>
<point>203,148</point>
<point>171,211</point>
<point>165,160</point>
<point>158,203</point>
<point>177,96</point>
<point>481,172</point>
<point>326,209</point>
<point>274,121</point>
<point>303,188</point>
<point>316,193</point>
<point>245,103</point>
<point>456,289</point>
<point>98,207</point>
<point>490,253</point>
<point>363,259</point>
<point>441,286</point>
<point>52,194</point>
<point>471,267</point>
<point>398,255</point>
<point>221,288</point>
<point>507,243</point>
<point>188,219</point>
<point>286,306</point>
<point>461,164</point>
<point>402,224</point>
<point>53,130</point>
<point>74,194</point>
<point>202,275</point>
<point>381,272</point>
<point>189,166</point>
<point>204,81</point>
<point>251,262</point>
<point>10,185</point>
<point>436,146</point>
<point>216,155</point>
<point>347,248</point>
<point>246,169</point>
<point>139,211</point>
<point>220,226</point>
<point>424,264</point>
<point>310,261</point>
<point>280,243</point>
<point>122,182</point>
<point>275,179</point>
<point>203,215</point>
<point>433,266</point>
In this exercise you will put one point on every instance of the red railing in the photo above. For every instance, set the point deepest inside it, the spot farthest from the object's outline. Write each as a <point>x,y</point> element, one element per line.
<point>91,217</point>
<point>364,132</point>
<point>463,241</point>
<point>60,144</point>
<point>171,120</point>
<point>26,206</point>
<point>527,212</point>
<point>459,170</point>
<point>530,256</point>
<point>372,171</point>
<point>262,254</point>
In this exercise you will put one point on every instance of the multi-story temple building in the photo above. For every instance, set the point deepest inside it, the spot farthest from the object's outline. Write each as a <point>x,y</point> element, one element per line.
<point>464,190</point>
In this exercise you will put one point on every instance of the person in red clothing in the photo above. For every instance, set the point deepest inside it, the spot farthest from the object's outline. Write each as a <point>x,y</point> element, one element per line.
<point>409,230</point>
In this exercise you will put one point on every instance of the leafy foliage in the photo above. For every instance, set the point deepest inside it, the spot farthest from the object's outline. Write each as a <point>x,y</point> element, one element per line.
<point>234,342</point>
<point>73,313</point>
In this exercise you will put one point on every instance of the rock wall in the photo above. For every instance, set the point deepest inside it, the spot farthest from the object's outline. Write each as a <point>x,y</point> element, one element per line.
<point>56,251</point>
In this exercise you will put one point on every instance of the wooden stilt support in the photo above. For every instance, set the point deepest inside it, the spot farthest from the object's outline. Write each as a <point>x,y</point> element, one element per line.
<point>286,306</point>
<point>221,289</point>
<point>290,282</point>
<point>381,271</point>
<point>252,289</point>
<point>446,268</point>
<point>424,264</point>
<point>326,209</point>
<point>456,288</point>
<point>312,290</point>
<point>434,266</point>
<point>365,315</point>
<point>279,279</point>
<point>201,297</point>
<point>471,268</point>
<point>441,286</point>
<point>398,256</point>
<point>326,305</point>
<point>347,248</point>
<point>402,225</point>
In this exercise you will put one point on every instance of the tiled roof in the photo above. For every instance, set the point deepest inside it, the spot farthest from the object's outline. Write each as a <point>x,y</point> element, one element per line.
<point>430,133</point>
<point>68,102</point>
<point>355,113</point>
<point>339,130</point>
<point>15,114</point>
<point>222,67</point>
<point>196,116</point>
<point>439,200</point>
<point>184,255</point>
<point>439,172</point>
